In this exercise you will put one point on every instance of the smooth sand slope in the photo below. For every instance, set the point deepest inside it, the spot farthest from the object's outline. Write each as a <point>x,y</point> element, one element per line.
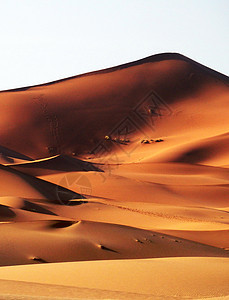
<point>150,277</point>
<point>115,184</point>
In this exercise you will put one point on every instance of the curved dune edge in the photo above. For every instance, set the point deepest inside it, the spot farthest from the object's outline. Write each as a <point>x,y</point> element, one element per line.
<point>151,58</point>
<point>170,277</point>
<point>52,165</point>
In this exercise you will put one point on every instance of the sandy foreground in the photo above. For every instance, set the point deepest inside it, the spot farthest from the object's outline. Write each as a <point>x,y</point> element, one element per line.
<point>115,184</point>
<point>149,278</point>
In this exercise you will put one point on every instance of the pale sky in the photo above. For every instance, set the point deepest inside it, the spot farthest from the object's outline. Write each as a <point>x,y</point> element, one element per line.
<point>46,40</point>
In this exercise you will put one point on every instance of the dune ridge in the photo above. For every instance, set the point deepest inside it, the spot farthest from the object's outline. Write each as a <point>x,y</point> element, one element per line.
<point>152,58</point>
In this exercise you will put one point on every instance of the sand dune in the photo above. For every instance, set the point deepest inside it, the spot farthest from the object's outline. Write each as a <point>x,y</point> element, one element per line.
<point>71,240</point>
<point>70,106</point>
<point>31,187</point>
<point>10,156</point>
<point>212,151</point>
<point>115,184</point>
<point>151,278</point>
<point>52,165</point>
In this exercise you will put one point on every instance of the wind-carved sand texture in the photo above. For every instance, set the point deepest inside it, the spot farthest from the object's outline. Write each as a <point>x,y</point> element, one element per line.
<point>115,184</point>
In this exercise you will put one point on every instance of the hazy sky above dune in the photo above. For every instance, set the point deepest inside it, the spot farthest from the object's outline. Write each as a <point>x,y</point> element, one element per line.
<point>45,40</point>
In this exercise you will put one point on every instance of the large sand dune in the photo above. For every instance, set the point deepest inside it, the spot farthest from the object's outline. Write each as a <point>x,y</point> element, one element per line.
<point>115,184</point>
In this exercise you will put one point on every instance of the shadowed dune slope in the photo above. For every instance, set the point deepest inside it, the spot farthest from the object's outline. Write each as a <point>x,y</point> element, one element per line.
<point>15,183</point>
<point>73,115</point>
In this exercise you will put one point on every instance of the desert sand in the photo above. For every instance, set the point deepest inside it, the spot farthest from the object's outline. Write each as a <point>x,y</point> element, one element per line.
<point>115,184</point>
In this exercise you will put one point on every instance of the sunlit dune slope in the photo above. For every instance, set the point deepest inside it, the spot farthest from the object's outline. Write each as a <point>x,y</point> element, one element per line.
<point>163,278</point>
<point>68,240</point>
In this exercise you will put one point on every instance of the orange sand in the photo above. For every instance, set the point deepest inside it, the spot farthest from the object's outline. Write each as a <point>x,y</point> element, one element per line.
<point>88,210</point>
